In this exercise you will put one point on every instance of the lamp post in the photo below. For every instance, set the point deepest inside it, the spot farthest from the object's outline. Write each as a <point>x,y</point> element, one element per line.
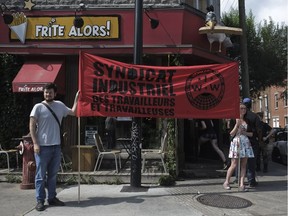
<point>136,134</point>
<point>244,56</point>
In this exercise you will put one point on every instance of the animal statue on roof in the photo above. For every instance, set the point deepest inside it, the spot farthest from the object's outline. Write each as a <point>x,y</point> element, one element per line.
<point>211,19</point>
<point>216,37</point>
<point>216,32</point>
<point>211,22</point>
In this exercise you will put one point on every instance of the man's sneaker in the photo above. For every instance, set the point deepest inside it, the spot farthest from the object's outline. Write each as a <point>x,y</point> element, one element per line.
<point>252,184</point>
<point>40,206</point>
<point>56,202</point>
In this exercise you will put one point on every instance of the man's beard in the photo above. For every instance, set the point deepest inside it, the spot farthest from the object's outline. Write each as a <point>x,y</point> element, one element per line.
<point>49,100</point>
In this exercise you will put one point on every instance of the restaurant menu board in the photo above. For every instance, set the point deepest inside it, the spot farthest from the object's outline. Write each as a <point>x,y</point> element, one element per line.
<point>90,130</point>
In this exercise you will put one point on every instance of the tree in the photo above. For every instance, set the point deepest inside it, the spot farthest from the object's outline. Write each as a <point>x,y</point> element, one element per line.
<point>267,50</point>
<point>14,113</point>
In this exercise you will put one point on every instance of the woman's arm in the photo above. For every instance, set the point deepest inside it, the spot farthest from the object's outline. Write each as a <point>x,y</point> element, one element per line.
<point>235,129</point>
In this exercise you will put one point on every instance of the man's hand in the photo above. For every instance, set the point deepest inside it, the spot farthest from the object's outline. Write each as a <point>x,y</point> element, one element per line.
<point>36,148</point>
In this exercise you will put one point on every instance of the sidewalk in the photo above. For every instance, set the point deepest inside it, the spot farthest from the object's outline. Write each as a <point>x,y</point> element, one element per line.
<point>269,198</point>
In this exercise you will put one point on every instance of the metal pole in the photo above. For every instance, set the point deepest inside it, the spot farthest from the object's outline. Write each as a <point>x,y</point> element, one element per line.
<point>79,155</point>
<point>239,163</point>
<point>244,56</point>
<point>135,177</point>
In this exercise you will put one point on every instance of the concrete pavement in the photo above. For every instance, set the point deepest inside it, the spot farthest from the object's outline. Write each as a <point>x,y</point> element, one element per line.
<point>269,198</point>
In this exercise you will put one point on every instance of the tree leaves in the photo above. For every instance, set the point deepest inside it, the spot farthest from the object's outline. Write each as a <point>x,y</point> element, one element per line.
<point>14,110</point>
<point>267,50</point>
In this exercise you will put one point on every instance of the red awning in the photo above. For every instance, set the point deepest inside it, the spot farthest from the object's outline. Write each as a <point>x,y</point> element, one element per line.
<point>35,74</point>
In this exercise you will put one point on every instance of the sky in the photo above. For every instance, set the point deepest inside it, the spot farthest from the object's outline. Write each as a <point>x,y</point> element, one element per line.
<point>261,9</point>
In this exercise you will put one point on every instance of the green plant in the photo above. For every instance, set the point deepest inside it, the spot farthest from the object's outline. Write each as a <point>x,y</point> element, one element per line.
<point>88,179</point>
<point>118,181</point>
<point>71,181</point>
<point>14,110</point>
<point>166,180</point>
<point>13,179</point>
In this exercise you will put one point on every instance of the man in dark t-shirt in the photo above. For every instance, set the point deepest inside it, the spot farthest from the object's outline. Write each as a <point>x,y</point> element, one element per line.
<point>263,144</point>
<point>255,122</point>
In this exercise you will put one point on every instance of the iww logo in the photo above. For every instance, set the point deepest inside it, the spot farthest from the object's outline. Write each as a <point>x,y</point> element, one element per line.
<point>205,89</point>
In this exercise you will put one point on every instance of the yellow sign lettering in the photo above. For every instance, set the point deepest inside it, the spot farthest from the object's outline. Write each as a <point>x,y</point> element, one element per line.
<point>56,28</point>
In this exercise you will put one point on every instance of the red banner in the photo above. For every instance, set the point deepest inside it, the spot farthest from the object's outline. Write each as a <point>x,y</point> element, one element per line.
<point>112,88</point>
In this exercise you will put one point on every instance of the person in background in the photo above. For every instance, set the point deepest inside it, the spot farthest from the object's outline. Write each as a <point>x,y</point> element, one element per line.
<point>45,133</point>
<point>240,148</point>
<point>208,133</point>
<point>110,126</point>
<point>254,140</point>
<point>211,19</point>
<point>263,144</point>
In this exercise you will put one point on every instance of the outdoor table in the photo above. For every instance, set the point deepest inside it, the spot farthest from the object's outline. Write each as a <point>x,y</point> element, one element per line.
<point>126,144</point>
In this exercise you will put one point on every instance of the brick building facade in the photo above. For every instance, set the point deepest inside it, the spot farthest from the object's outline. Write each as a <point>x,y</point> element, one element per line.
<point>273,102</point>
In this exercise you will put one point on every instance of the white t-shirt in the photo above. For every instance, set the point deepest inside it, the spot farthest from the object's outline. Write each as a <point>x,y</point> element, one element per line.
<point>48,131</point>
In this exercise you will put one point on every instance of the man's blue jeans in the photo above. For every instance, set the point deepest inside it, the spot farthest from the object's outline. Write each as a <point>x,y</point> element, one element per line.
<point>47,166</point>
<point>251,166</point>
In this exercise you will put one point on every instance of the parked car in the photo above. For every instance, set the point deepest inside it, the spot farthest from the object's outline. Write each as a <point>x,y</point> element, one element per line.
<point>276,130</point>
<point>279,149</point>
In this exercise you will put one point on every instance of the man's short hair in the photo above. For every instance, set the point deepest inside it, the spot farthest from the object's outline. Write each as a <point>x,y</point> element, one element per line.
<point>51,86</point>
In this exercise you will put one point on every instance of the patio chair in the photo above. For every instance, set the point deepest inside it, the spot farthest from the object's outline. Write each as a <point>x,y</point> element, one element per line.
<point>102,152</point>
<point>159,153</point>
<point>6,152</point>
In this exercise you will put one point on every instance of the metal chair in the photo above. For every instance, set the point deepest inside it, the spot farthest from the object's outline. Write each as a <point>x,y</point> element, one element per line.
<point>160,153</point>
<point>102,152</point>
<point>2,151</point>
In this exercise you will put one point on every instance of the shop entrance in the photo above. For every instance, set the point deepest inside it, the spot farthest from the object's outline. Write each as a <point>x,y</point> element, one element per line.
<point>206,153</point>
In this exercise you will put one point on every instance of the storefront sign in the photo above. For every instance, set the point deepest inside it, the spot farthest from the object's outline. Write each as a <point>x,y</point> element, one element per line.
<point>111,88</point>
<point>29,88</point>
<point>90,130</point>
<point>62,28</point>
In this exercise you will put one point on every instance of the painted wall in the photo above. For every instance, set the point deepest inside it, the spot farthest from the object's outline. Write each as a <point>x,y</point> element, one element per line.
<point>177,27</point>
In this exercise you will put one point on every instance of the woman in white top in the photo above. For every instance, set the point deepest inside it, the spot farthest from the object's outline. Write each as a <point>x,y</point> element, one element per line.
<point>240,147</point>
